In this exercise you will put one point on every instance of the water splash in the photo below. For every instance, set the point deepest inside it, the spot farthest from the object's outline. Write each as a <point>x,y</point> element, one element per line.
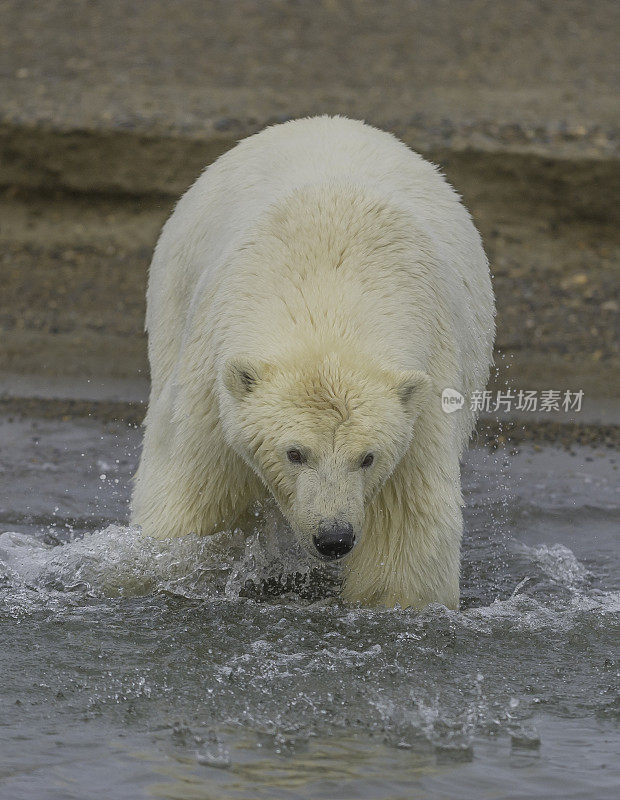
<point>558,562</point>
<point>120,562</point>
<point>289,667</point>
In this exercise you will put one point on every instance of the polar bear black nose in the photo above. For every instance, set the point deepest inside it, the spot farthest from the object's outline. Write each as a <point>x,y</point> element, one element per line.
<point>334,539</point>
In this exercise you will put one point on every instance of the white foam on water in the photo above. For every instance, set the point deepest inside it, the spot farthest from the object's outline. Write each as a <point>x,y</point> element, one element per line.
<point>443,723</point>
<point>115,561</point>
<point>119,561</point>
<point>558,562</point>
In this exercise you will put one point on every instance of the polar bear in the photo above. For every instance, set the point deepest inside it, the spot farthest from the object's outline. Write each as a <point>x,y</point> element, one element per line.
<point>309,299</point>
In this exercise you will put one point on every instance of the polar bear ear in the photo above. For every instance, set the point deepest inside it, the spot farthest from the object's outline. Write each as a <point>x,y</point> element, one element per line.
<point>414,389</point>
<point>241,375</point>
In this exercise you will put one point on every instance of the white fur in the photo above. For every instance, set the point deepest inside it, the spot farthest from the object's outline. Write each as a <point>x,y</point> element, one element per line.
<point>318,286</point>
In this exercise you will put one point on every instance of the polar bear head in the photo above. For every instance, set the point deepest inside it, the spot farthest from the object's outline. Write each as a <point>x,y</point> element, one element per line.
<point>324,435</point>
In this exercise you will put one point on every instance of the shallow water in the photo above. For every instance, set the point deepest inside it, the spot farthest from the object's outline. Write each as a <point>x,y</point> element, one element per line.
<point>192,669</point>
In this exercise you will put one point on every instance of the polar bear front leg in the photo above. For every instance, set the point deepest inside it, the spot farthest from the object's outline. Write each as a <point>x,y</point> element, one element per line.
<point>410,551</point>
<point>179,501</point>
<point>186,485</point>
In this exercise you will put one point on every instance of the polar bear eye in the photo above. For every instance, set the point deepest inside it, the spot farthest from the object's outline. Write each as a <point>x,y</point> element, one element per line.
<point>367,460</point>
<point>295,456</point>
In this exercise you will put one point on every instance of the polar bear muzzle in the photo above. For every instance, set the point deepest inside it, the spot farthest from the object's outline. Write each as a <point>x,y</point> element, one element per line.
<point>334,539</point>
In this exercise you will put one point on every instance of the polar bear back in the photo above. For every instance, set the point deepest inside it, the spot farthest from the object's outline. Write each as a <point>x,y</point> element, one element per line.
<point>214,218</point>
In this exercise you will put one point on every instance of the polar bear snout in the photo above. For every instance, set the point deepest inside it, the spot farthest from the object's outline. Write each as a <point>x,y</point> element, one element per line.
<point>334,539</point>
